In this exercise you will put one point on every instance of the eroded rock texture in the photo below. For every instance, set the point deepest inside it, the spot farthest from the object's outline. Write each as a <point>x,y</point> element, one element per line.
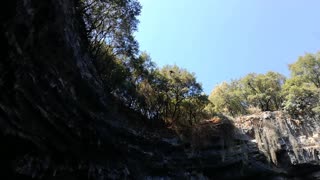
<point>290,144</point>
<point>57,122</point>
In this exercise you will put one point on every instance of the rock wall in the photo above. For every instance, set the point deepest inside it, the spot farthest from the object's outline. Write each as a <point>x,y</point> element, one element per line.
<point>51,99</point>
<point>286,142</point>
<point>56,121</point>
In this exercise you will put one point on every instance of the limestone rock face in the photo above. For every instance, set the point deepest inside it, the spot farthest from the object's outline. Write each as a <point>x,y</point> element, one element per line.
<point>56,121</point>
<point>285,141</point>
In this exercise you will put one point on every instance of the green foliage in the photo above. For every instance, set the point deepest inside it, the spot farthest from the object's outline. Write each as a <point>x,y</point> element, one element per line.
<point>299,95</point>
<point>302,90</point>
<point>254,90</point>
<point>183,96</point>
<point>307,68</point>
<point>172,94</point>
<point>112,22</point>
<point>228,99</point>
<point>300,98</point>
<point>264,90</point>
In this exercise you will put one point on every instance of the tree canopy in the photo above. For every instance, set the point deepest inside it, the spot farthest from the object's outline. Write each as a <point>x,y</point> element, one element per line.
<point>298,95</point>
<point>302,90</point>
<point>172,94</point>
<point>254,90</point>
<point>112,23</point>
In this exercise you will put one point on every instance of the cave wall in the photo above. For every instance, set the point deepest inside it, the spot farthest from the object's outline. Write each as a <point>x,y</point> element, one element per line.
<point>51,102</point>
<point>57,122</point>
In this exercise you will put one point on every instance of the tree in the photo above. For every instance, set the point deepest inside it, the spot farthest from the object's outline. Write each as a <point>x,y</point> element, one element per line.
<point>109,26</point>
<point>302,90</point>
<point>170,94</point>
<point>228,98</point>
<point>300,97</point>
<point>181,91</point>
<point>193,109</point>
<point>253,90</point>
<point>308,68</point>
<point>264,90</point>
<point>112,22</point>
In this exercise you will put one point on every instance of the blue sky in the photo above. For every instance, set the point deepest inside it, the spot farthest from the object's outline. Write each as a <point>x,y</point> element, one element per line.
<point>220,40</point>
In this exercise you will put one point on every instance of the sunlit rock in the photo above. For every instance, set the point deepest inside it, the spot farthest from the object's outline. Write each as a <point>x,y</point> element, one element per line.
<point>276,132</point>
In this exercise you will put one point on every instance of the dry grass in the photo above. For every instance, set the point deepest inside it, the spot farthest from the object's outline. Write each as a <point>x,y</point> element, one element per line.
<point>215,120</point>
<point>254,110</point>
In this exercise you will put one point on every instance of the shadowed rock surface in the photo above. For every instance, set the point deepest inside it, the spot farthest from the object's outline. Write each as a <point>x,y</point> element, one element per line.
<point>290,144</point>
<point>58,123</point>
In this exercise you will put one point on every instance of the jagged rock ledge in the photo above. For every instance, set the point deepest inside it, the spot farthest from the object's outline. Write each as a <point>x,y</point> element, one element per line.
<point>57,122</point>
<point>290,144</point>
